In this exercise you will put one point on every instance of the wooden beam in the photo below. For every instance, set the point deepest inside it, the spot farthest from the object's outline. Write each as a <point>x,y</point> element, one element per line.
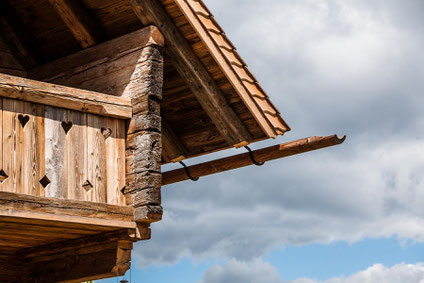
<point>64,210</point>
<point>78,21</point>
<point>18,38</point>
<point>242,160</point>
<point>89,258</point>
<point>64,97</point>
<point>195,74</point>
<point>172,148</point>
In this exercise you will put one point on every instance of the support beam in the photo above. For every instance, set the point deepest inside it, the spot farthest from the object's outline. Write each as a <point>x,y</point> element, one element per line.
<point>18,38</point>
<point>260,155</point>
<point>172,148</point>
<point>36,209</point>
<point>78,21</point>
<point>64,97</point>
<point>94,257</point>
<point>194,73</point>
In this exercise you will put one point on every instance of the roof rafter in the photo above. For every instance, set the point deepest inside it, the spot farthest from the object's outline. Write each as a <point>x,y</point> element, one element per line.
<point>172,148</point>
<point>192,70</point>
<point>18,38</point>
<point>77,20</point>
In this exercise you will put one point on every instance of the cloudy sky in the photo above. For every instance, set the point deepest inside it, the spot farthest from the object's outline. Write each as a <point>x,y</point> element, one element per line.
<point>347,214</point>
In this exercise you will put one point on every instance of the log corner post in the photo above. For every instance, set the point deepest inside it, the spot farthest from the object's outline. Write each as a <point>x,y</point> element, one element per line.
<point>143,140</point>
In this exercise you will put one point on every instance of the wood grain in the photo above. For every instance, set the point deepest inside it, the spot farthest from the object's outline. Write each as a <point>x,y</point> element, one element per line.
<point>242,160</point>
<point>56,160</point>
<point>64,97</point>
<point>96,158</point>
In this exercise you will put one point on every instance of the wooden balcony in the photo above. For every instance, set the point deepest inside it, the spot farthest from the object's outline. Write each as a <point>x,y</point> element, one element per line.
<point>62,172</point>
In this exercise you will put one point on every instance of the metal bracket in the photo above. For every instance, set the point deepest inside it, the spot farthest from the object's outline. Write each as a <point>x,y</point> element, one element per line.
<point>188,172</point>
<point>253,158</point>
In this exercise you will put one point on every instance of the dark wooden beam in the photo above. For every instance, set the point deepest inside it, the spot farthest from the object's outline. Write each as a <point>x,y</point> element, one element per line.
<point>89,258</point>
<point>78,21</point>
<point>172,148</point>
<point>242,160</point>
<point>195,74</point>
<point>18,38</point>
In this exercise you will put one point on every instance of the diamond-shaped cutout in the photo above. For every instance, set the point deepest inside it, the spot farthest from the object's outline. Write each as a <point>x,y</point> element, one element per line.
<point>45,181</point>
<point>3,176</point>
<point>106,132</point>
<point>87,185</point>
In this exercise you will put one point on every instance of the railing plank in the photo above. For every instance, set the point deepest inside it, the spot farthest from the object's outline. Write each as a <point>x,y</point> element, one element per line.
<point>65,97</point>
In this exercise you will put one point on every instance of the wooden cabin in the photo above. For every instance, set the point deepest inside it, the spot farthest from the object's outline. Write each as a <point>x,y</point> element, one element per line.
<point>95,95</point>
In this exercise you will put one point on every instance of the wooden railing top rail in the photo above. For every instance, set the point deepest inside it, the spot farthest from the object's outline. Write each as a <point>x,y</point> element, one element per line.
<point>65,97</point>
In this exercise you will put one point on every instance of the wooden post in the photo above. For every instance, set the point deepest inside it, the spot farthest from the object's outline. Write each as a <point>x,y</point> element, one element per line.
<point>143,142</point>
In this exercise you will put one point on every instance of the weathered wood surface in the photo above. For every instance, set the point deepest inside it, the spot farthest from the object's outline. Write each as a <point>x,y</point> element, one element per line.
<point>233,66</point>
<point>8,63</point>
<point>193,71</point>
<point>107,67</point>
<point>93,257</point>
<point>64,210</point>
<point>75,16</point>
<point>54,152</point>
<point>78,256</point>
<point>143,140</point>
<point>242,160</point>
<point>64,97</point>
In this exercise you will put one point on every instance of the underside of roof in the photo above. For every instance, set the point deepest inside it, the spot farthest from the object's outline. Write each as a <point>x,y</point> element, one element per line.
<point>36,32</point>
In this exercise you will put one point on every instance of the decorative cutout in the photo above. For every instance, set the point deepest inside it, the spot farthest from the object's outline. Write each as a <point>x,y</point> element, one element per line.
<point>67,126</point>
<point>23,119</point>
<point>45,181</point>
<point>3,176</point>
<point>106,132</point>
<point>87,185</point>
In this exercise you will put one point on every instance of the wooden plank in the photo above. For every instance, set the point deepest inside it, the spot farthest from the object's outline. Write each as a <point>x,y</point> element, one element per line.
<point>233,67</point>
<point>96,159</point>
<point>113,133</point>
<point>120,148</point>
<point>28,146</point>
<point>12,145</point>
<point>242,160</point>
<point>55,153</point>
<point>2,177</point>
<point>75,17</point>
<point>76,151</point>
<point>38,151</point>
<point>64,210</point>
<point>195,74</point>
<point>104,52</point>
<point>64,97</point>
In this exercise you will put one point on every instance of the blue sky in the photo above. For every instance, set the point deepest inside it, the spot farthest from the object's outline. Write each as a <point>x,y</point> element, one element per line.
<point>314,261</point>
<point>352,213</point>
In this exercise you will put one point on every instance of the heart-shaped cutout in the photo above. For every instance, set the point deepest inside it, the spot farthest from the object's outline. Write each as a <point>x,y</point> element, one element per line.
<point>106,132</point>
<point>67,126</point>
<point>23,119</point>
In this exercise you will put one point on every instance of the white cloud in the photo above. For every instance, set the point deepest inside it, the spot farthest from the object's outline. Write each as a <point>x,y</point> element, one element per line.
<point>350,67</point>
<point>234,271</point>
